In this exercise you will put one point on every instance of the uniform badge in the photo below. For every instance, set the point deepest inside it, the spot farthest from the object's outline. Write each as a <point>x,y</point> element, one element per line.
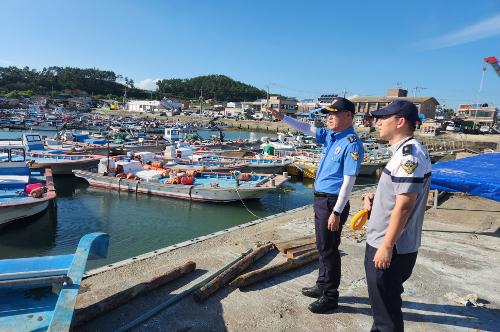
<point>352,139</point>
<point>337,149</point>
<point>407,150</point>
<point>355,155</point>
<point>409,166</point>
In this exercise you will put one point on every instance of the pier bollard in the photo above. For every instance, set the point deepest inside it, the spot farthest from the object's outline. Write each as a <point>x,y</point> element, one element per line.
<point>273,182</point>
<point>285,174</point>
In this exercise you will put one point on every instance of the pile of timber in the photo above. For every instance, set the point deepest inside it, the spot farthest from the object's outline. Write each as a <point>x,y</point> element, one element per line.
<point>298,252</point>
<point>297,247</point>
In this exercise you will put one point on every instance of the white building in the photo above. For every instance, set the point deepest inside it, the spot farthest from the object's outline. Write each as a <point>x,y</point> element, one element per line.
<point>153,106</point>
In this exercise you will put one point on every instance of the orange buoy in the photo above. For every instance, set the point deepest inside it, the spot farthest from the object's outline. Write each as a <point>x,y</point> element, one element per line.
<point>156,164</point>
<point>37,192</point>
<point>244,177</point>
<point>191,173</point>
<point>187,180</point>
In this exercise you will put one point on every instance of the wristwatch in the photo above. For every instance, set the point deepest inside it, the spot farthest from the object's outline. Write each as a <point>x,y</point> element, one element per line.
<point>336,213</point>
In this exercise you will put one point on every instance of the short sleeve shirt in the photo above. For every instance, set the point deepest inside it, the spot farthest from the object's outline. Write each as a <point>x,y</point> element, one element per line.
<point>342,155</point>
<point>408,171</point>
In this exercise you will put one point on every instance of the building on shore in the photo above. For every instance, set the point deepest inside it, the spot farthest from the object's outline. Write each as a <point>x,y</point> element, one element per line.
<point>153,106</point>
<point>284,105</point>
<point>364,105</point>
<point>480,114</point>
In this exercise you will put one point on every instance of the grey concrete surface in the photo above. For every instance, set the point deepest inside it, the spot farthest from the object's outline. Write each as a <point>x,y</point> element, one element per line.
<point>459,256</point>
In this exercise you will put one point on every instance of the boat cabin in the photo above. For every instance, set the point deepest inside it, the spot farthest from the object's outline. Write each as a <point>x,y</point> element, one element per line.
<point>33,142</point>
<point>13,168</point>
<point>176,134</point>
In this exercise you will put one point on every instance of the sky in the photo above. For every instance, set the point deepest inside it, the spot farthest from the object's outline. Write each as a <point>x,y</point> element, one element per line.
<point>296,48</point>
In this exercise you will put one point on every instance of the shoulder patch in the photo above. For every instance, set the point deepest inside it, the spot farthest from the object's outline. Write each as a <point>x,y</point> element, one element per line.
<point>355,155</point>
<point>409,166</point>
<point>407,149</point>
<point>352,139</point>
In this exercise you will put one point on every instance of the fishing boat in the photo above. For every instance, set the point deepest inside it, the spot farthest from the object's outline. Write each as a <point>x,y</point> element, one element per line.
<point>306,164</point>
<point>188,185</point>
<point>24,192</point>
<point>61,164</point>
<point>258,164</point>
<point>39,293</point>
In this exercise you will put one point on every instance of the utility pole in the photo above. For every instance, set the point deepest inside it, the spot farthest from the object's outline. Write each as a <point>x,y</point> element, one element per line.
<point>125,95</point>
<point>415,90</point>
<point>344,92</point>
<point>201,100</point>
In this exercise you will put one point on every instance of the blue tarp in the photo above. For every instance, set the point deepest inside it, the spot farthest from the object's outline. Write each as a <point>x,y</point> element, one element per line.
<point>478,176</point>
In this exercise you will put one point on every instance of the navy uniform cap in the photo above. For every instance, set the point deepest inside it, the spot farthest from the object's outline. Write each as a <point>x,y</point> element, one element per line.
<point>339,105</point>
<point>403,108</point>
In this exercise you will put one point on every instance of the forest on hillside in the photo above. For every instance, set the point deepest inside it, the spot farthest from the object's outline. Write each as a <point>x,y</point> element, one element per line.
<point>25,82</point>
<point>215,87</point>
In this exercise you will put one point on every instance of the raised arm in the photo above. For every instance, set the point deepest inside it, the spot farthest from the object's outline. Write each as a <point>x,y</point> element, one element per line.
<point>303,127</point>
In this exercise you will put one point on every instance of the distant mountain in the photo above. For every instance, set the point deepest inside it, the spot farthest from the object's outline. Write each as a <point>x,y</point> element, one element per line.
<point>216,87</point>
<point>15,82</point>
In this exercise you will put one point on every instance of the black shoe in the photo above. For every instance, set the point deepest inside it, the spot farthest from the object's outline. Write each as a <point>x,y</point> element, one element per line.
<point>313,291</point>
<point>323,305</point>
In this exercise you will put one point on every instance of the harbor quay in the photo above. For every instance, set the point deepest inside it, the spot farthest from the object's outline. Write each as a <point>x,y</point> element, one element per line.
<point>454,285</point>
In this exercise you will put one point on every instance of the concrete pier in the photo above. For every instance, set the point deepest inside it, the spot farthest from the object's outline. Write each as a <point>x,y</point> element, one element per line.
<point>459,256</point>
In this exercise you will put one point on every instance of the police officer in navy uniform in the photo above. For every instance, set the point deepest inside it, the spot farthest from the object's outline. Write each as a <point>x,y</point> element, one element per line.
<point>339,165</point>
<point>397,215</point>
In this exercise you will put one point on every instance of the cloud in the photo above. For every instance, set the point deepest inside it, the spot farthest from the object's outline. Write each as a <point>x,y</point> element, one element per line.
<point>481,30</point>
<point>148,84</point>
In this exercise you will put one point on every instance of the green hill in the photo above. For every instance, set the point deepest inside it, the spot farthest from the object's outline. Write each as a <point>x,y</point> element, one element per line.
<point>216,87</point>
<point>15,82</point>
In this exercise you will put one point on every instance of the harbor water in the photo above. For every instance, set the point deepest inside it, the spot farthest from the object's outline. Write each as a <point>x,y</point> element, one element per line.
<point>138,223</point>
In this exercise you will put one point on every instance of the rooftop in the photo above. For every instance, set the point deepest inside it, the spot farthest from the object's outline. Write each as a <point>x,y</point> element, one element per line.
<point>371,99</point>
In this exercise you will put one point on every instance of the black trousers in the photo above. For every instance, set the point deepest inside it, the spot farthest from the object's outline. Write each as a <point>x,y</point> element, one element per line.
<point>385,288</point>
<point>328,243</point>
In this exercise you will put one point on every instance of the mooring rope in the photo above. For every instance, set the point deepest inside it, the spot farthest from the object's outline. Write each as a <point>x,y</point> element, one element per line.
<point>246,207</point>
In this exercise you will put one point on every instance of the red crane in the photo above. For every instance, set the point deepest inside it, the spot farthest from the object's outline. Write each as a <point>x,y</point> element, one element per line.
<point>494,63</point>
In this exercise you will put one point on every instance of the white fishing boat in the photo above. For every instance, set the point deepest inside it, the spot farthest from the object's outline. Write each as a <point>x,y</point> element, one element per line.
<point>62,164</point>
<point>24,192</point>
<point>188,185</point>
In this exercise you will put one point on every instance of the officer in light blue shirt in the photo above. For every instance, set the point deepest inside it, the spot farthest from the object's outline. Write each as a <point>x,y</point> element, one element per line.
<point>340,163</point>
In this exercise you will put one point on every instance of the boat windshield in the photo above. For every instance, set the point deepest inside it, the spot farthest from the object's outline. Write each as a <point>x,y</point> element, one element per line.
<point>17,154</point>
<point>12,154</point>
<point>33,138</point>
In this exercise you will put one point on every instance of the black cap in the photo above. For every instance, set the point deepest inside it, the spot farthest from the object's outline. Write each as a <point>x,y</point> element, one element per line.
<point>339,105</point>
<point>403,108</point>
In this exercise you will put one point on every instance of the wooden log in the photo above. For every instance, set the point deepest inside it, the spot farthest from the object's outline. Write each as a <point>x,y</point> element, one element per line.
<point>273,270</point>
<point>284,246</point>
<point>225,277</point>
<point>294,253</point>
<point>117,299</point>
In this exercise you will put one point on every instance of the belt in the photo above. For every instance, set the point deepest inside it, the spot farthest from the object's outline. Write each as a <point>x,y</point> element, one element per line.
<point>320,194</point>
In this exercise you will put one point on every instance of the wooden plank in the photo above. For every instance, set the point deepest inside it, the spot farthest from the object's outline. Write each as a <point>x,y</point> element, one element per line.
<point>294,253</point>
<point>273,270</point>
<point>283,246</point>
<point>225,277</point>
<point>117,299</point>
